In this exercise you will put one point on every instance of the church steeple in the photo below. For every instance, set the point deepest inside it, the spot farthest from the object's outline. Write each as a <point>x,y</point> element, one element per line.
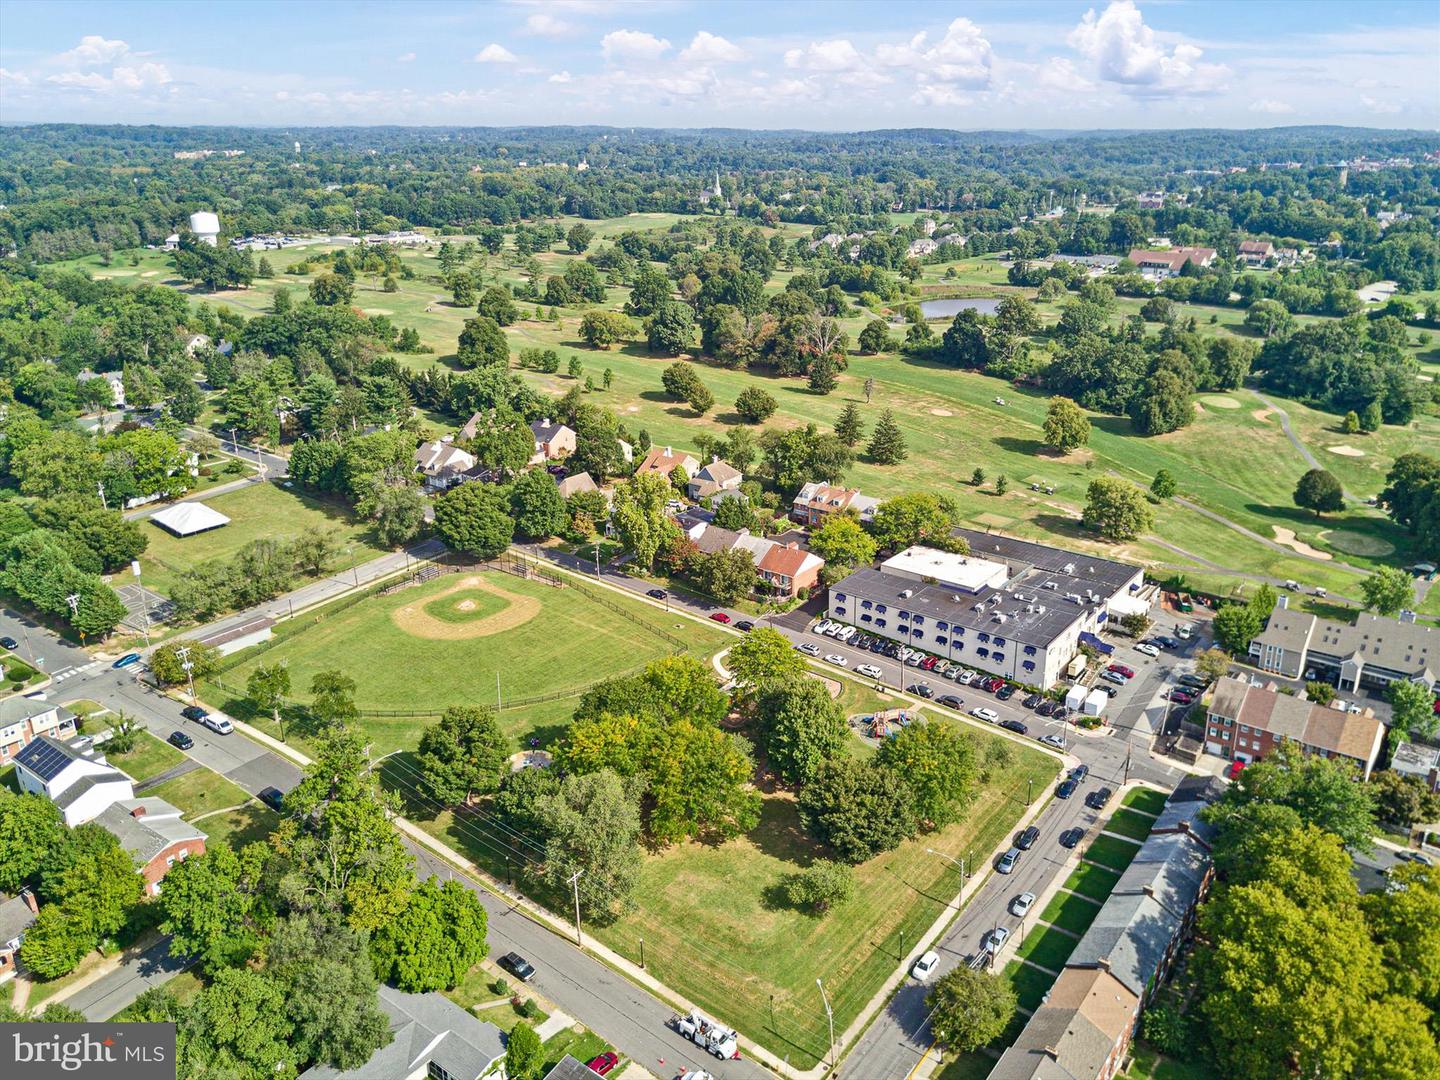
<point>717,183</point>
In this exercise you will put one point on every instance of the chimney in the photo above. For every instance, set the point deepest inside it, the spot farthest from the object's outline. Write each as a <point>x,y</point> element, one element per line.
<point>1052,1053</point>
<point>792,546</point>
<point>668,453</point>
<point>1406,615</point>
<point>1283,601</point>
<point>138,810</point>
<point>29,898</point>
<point>545,422</point>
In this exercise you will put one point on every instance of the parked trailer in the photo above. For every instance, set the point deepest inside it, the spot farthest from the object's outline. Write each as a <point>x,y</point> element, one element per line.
<point>712,1035</point>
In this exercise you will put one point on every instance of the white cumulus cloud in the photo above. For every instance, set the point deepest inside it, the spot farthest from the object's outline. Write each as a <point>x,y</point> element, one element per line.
<point>834,55</point>
<point>495,54</point>
<point>18,78</point>
<point>544,25</point>
<point>708,48</point>
<point>632,45</point>
<point>94,51</point>
<point>1122,49</point>
<point>560,77</point>
<point>1270,105</point>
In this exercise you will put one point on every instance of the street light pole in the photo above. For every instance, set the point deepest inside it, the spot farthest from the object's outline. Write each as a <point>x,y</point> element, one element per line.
<point>954,862</point>
<point>575,885</point>
<point>829,1016</point>
<point>1030,791</point>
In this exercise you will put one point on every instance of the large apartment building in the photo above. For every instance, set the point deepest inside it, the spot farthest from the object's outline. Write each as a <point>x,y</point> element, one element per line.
<point>1369,653</point>
<point>1012,608</point>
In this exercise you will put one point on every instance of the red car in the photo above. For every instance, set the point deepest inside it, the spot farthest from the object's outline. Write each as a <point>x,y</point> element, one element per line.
<point>721,617</point>
<point>995,685</point>
<point>928,664</point>
<point>1236,767</point>
<point>1121,669</point>
<point>603,1064</point>
<point>1182,697</point>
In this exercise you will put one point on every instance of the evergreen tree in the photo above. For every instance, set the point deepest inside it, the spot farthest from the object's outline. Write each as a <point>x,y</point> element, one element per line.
<point>887,444</point>
<point>849,428</point>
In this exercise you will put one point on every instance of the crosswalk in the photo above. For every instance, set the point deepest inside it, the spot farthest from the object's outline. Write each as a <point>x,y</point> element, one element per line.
<point>74,670</point>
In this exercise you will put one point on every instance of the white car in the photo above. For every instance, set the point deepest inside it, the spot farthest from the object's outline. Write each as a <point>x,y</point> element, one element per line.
<point>995,940</point>
<point>845,633</point>
<point>218,724</point>
<point>809,648</point>
<point>913,660</point>
<point>1022,903</point>
<point>833,630</point>
<point>836,659</point>
<point>1056,741</point>
<point>925,966</point>
<point>1146,649</point>
<point>965,677</point>
<point>990,716</point>
<point>870,671</point>
<point>823,626</point>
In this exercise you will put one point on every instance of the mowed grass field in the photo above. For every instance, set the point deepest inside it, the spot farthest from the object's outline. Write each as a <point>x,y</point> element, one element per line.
<point>264,510</point>
<point>567,642</point>
<point>718,930</point>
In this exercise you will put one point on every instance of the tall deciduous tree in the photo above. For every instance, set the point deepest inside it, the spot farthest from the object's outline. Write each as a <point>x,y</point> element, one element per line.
<point>210,904</point>
<point>969,1009</point>
<point>1412,712</point>
<point>432,943</point>
<point>592,826</point>
<point>859,808</point>
<point>801,725</point>
<point>1318,490</point>
<point>524,1053</point>
<point>639,516</point>
<point>917,518</point>
<point>475,518</point>
<point>464,755</point>
<point>1322,791</point>
<point>30,829</point>
<point>1066,426</point>
<point>1388,590</point>
<point>1117,509</point>
<point>938,762</point>
<point>842,543</point>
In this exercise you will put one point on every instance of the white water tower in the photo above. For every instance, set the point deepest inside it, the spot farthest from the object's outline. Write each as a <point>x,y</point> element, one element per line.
<point>205,226</point>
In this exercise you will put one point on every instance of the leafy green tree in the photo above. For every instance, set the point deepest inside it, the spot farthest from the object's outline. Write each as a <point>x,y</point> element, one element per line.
<point>841,542</point>
<point>887,442</point>
<point>969,1009</point>
<point>938,762</point>
<point>55,943</point>
<point>648,291</point>
<point>237,1027</point>
<point>1405,921</point>
<point>432,943</point>
<point>1412,712</point>
<point>801,725</point>
<point>475,518</point>
<point>483,344</point>
<point>215,907</point>
<point>579,237</point>
<point>1318,490</point>
<point>1371,418</point>
<point>754,405</point>
<point>30,829</point>
<point>462,289</point>
<point>524,1053</point>
<point>728,576</point>
<point>671,329</point>
<point>917,518</point>
<point>1322,693</point>
<point>1403,800</point>
<point>332,290</point>
<point>822,885</point>
<point>601,329</point>
<point>1322,791</point>
<point>592,824</point>
<point>1269,318</point>
<point>680,380</point>
<point>1163,486</point>
<point>537,505</point>
<point>332,698</point>
<point>859,808</point>
<point>875,337</point>
<point>462,756</point>
<point>849,428</point>
<point>1235,626</point>
<point>1161,405</point>
<point>167,663</point>
<point>1351,424</point>
<point>763,655</point>
<point>700,399</point>
<point>735,514</point>
<point>1117,509</point>
<point>1388,590</point>
<point>497,303</point>
<point>398,511</point>
<point>823,375</point>
<point>1017,316</point>
<point>1066,426</point>
<point>639,516</point>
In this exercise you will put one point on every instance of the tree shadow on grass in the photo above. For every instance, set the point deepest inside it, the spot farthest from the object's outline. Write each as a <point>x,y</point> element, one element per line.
<point>781,835</point>
<point>399,774</point>
<point>1068,527</point>
<point>1113,425</point>
<point>1019,446</point>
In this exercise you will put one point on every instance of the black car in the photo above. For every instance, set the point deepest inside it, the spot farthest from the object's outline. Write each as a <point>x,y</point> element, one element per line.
<point>1198,682</point>
<point>193,712</point>
<point>1045,708</point>
<point>745,626</point>
<point>657,594</point>
<point>1014,725</point>
<point>9,643</point>
<point>950,700</point>
<point>1108,691</point>
<point>1005,693</point>
<point>1071,837</point>
<point>920,690</point>
<point>1059,712</point>
<point>1079,773</point>
<point>272,797</point>
<point>180,739</point>
<point>1165,641</point>
<point>1097,799</point>
<point>1026,840</point>
<point>1066,789</point>
<point>1032,700</point>
<point>518,966</point>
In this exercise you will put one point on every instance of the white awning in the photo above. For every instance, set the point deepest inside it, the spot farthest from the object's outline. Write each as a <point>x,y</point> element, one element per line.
<point>1122,605</point>
<point>187,518</point>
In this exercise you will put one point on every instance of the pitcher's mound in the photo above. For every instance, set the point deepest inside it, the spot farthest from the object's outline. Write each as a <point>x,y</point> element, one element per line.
<point>440,620</point>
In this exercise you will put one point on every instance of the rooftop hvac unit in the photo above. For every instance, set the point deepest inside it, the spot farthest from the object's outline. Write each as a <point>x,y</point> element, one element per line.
<point>957,598</point>
<point>1053,586</point>
<point>1073,597</point>
<point>1040,609</point>
<point>1070,568</point>
<point>907,593</point>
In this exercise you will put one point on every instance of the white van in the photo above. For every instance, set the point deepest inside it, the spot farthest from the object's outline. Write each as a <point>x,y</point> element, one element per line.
<point>219,724</point>
<point>846,633</point>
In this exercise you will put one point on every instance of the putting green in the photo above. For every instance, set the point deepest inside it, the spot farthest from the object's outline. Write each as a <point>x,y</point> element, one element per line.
<point>1354,543</point>
<point>1220,401</point>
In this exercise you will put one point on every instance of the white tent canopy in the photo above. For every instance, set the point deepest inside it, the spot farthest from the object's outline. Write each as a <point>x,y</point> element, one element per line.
<point>188,518</point>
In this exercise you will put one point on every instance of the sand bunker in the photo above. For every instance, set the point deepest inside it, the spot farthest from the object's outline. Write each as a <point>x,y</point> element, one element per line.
<point>1263,415</point>
<point>150,273</point>
<point>1199,408</point>
<point>941,412</point>
<point>1287,537</point>
<point>1220,401</point>
<point>1346,451</point>
<point>1354,543</point>
<point>416,621</point>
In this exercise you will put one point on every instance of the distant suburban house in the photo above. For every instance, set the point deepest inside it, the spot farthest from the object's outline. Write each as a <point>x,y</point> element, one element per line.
<point>114,378</point>
<point>1416,759</point>
<point>24,719</point>
<point>921,247</point>
<point>431,1037</point>
<point>76,777</point>
<point>816,501</point>
<point>573,485</point>
<point>154,834</point>
<point>1255,252</point>
<point>472,427</point>
<point>442,464</point>
<point>662,461</point>
<point>1170,261</point>
<point>1151,200</point>
<point>569,1068</point>
<point>553,440</point>
<point>1372,652</point>
<point>17,914</point>
<point>712,479</point>
<point>1246,722</point>
<point>784,568</point>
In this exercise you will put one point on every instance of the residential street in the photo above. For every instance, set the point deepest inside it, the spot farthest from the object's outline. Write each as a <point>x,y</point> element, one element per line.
<point>115,990</point>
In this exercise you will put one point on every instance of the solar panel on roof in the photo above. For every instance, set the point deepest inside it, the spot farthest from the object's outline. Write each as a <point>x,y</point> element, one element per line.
<point>44,760</point>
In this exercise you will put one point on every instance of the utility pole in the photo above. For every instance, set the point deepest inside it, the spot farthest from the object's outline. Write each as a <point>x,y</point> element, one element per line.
<point>183,652</point>
<point>1127,766</point>
<point>144,605</point>
<point>100,487</point>
<point>575,885</point>
<point>642,966</point>
<point>829,1016</point>
<point>74,601</point>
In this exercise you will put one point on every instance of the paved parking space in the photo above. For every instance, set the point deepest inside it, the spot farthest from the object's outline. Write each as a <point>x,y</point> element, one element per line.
<point>142,604</point>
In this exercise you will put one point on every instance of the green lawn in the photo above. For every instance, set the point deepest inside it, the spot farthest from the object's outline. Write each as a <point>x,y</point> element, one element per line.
<point>258,510</point>
<point>1111,851</point>
<point>1047,947</point>
<point>251,822</point>
<point>1151,1065</point>
<point>1145,800</point>
<point>150,757</point>
<point>1070,912</point>
<point>1093,881</point>
<point>1031,986</point>
<point>716,929</point>
<point>373,642</point>
<point>973,1066</point>
<point>1129,823</point>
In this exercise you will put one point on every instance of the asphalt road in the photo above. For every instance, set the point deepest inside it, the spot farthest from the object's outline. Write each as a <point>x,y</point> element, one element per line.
<point>112,992</point>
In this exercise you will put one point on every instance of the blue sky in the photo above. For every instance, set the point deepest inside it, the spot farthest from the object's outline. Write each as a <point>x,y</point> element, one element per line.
<point>772,64</point>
